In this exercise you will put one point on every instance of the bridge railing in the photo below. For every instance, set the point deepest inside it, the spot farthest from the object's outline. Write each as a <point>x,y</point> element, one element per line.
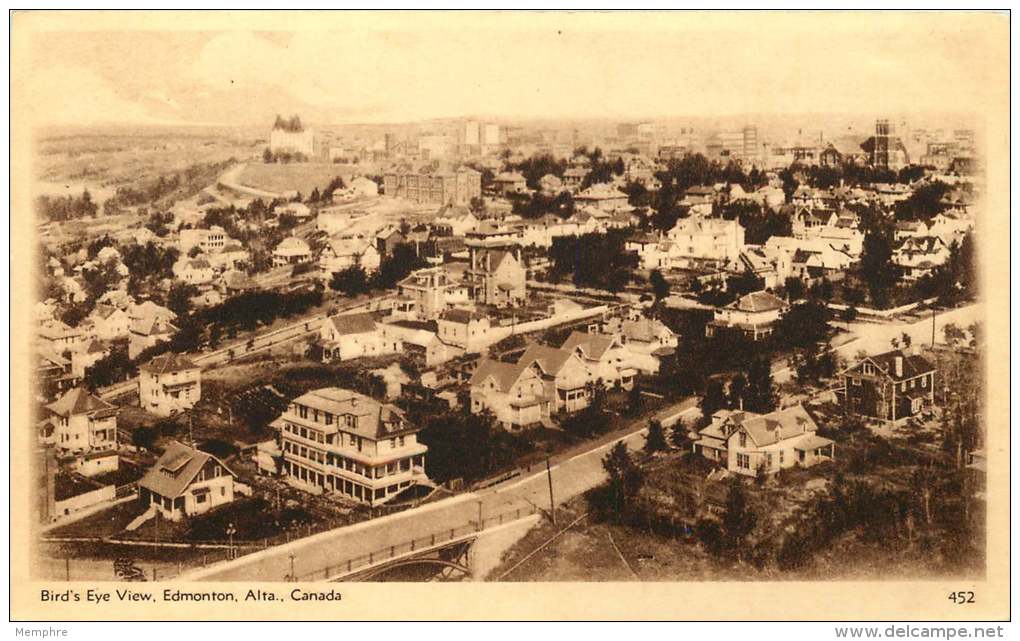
<point>351,565</point>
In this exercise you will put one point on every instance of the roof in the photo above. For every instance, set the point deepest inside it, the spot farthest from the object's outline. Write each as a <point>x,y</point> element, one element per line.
<point>152,327</point>
<point>168,363</point>
<point>913,365</point>
<point>293,245</point>
<point>550,359</point>
<point>645,330</point>
<point>375,420</point>
<point>593,346</point>
<point>812,442</point>
<point>757,302</point>
<point>80,401</point>
<point>509,177</point>
<point>461,315</point>
<point>505,374</point>
<point>353,323</point>
<point>174,472</point>
<point>777,426</point>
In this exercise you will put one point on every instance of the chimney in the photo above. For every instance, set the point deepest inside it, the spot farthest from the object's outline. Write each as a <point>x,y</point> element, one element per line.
<point>899,366</point>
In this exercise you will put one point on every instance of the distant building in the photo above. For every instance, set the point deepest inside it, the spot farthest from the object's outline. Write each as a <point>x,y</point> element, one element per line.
<point>185,482</point>
<point>426,293</point>
<point>289,136</point>
<point>168,384</point>
<point>603,196</point>
<point>146,333</point>
<point>291,251</point>
<point>351,336</point>
<point>465,329</point>
<point>696,239</point>
<point>510,183</point>
<point>338,441</point>
<point>890,386</point>
<point>496,274</point>
<point>439,188</point>
<point>208,240</point>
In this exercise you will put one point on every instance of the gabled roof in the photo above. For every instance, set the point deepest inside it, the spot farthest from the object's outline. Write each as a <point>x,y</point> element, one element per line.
<point>348,324</point>
<point>592,346</point>
<point>461,315</point>
<point>174,472</point>
<point>504,374</point>
<point>550,359</point>
<point>913,365</point>
<point>80,401</point>
<point>375,420</point>
<point>168,363</point>
<point>778,425</point>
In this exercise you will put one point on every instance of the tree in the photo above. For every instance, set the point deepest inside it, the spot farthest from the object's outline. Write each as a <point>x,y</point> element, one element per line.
<point>877,267</point>
<point>178,299</point>
<point>660,286</point>
<point>351,281</point>
<point>144,437</point>
<point>679,436</point>
<point>635,400</point>
<point>738,520</point>
<point>713,400</point>
<point>655,441</point>
<point>267,156</point>
<point>625,479</point>
<point>112,368</point>
<point>760,394</point>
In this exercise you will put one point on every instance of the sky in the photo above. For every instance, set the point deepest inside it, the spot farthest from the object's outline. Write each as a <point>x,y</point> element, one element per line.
<point>340,68</point>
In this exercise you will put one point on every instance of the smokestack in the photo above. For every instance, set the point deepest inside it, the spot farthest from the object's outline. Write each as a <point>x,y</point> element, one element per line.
<point>899,366</point>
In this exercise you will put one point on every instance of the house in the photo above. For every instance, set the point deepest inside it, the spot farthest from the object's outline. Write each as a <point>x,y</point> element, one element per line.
<point>697,240</point>
<point>910,229</point>
<point>550,185</point>
<point>514,393</point>
<point>457,220</point>
<point>109,322</point>
<point>603,196</point>
<point>208,240</point>
<point>85,358</point>
<point>465,329</point>
<point>496,274</point>
<point>950,228</point>
<point>510,183</point>
<point>150,311</point>
<point>291,251</point>
<point>890,386</point>
<point>919,256</point>
<point>652,252</point>
<point>387,239</point>
<point>60,338</point>
<point>85,428</point>
<point>194,271</point>
<point>339,254</point>
<point>752,444</point>
<point>752,315</point>
<point>648,340</point>
<point>168,384</point>
<point>753,260</point>
<point>805,258</point>
<point>607,358</point>
<point>53,373</point>
<point>426,293</point>
<point>338,441</point>
<point>573,177</point>
<point>300,211</point>
<point>185,482</point>
<point>351,336</point>
<point>235,282</point>
<point>147,333</point>
<point>565,375</point>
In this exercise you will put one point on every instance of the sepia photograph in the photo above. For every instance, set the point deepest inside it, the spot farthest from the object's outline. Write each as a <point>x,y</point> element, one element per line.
<point>519,303</point>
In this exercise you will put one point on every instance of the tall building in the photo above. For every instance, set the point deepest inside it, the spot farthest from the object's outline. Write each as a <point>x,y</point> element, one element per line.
<point>290,136</point>
<point>471,133</point>
<point>490,134</point>
<point>338,441</point>
<point>438,188</point>
<point>750,139</point>
<point>880,149</point>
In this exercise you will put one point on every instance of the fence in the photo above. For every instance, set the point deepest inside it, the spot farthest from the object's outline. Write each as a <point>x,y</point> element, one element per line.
<point>393,552</point>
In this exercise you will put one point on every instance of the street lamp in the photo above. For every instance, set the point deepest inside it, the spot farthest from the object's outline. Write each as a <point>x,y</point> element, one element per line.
<point>231,531</point>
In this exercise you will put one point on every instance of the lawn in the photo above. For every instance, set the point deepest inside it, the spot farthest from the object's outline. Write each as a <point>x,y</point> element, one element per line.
<point>107,523</point>
<point>281,178</point>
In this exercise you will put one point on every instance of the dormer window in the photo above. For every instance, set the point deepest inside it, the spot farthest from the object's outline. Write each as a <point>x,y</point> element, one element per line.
<point>868,369</point>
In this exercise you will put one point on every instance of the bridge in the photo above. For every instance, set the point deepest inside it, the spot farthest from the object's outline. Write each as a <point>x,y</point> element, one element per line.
<point>448,554</point>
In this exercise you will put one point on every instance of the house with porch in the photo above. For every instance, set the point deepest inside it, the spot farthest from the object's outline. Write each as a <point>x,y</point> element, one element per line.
<point>607,358</point>
<point>750,444</point>
<point>168,384</point>
<point>514,393</point>
<point>185,482</point>
<point>754,315</point>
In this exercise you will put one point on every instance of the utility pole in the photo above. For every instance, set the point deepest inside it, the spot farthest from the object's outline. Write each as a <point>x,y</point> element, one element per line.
<point>480,515</point>
<point>292,577</point>
<point>552,504</point>
<point>933,327</point>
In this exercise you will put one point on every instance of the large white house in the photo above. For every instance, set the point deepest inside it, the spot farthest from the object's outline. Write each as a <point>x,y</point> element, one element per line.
<point>85,427</point>
<point>168,384</point>
<point>351,336</point>
<point>698,239</point>
<point>338,441</point>
<point>751,444</point>
<point>753,315</point>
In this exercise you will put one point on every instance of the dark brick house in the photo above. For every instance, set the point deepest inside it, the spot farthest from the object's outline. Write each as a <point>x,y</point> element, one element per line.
<point>890,386</point>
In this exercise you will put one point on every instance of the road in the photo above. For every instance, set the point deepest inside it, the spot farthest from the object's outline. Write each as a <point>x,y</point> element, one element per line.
<point>576,473</point>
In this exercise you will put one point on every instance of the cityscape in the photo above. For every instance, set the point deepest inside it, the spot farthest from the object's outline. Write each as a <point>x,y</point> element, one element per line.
<point>711,347</point>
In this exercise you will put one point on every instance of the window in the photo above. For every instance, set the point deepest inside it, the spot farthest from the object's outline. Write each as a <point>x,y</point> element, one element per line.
<point>924,381</point>
<point>743,461</point>
<point>869,369</point>
<point>393,443</point>
<point>401,441</point>
<point>743,439</point>
<point>855,381</point>
<point>768,460</point>
<point>781,452</point>
<point>200,498</point>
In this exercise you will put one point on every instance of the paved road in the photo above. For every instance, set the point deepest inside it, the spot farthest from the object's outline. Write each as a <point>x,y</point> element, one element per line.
<point>571,476</point>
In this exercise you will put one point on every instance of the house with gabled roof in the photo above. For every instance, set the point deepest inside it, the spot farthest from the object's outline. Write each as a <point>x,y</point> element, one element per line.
<point>750,444</point>
<point>146,333</point>
<point>464,328</point>
<point>918,256</point>
<point>168,384</point>
<point>514,393</point>
<point>510,182</point>
<point>608,359</point>
<point>349,336</point>
<point>337,441</point>
<point>84,428</point>
<point>891,386</point>
<point>110,322</point>
<point>186,481</point>
<point>754,315</point>
<point>565,375</point>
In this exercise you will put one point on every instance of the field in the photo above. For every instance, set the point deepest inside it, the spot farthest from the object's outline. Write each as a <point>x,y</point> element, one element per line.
<point>281,178</point>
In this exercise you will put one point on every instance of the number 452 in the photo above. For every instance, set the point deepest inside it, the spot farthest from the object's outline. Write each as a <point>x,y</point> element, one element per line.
<point>960,598</point>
